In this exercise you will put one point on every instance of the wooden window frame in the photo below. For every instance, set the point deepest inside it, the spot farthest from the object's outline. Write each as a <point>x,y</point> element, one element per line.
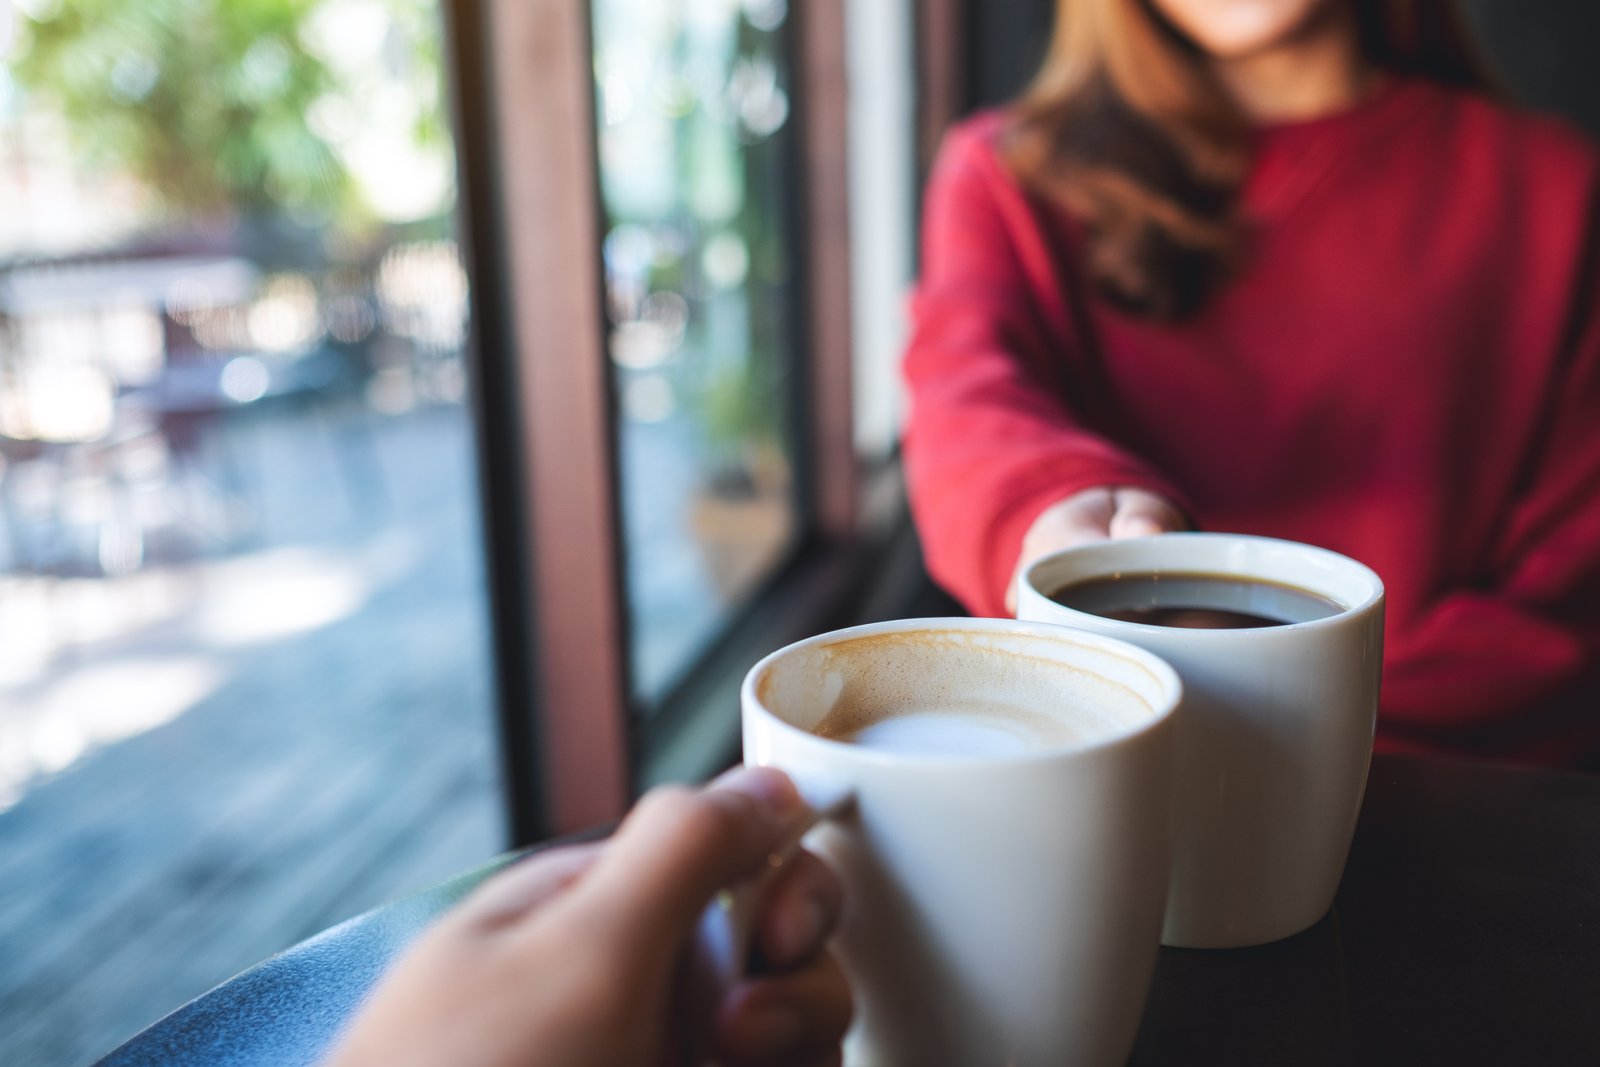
<point>941,71</point>
<point>574,754</point>
<point>543,402</point>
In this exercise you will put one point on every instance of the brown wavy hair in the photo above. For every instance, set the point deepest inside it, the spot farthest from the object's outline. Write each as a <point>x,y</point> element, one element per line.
<point>1126,127</point>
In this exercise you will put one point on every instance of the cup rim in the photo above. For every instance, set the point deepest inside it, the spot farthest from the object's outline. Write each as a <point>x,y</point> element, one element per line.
<point>1165,674</point>
<point>1134,630</point>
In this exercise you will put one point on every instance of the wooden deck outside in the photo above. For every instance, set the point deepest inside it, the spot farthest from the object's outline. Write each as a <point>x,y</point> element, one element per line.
<point>329,769</point>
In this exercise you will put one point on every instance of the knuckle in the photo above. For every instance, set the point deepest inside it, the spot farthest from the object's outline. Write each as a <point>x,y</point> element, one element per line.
<point>819,879</point>
<point>712,820</point>
<point>691,819</point>
<point>663,804</point>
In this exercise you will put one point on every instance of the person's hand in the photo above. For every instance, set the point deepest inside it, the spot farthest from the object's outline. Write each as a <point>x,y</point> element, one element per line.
<point>1093,515</point>
<point>578,955</point>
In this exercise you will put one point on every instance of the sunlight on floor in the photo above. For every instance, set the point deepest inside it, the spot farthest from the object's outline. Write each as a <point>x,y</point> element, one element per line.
<point>95,705</point>
<point>71,681</point>
<point>272,595</point>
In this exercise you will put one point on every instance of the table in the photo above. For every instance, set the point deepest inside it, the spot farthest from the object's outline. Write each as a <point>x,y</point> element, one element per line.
<point>1466,931</point>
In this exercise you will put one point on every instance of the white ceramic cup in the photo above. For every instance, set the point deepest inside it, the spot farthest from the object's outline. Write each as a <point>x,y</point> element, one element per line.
<point>1274,736</point>
<point>1003,895</point>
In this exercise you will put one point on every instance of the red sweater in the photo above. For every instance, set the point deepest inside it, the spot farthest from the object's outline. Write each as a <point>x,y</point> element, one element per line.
<point>1407,372</point>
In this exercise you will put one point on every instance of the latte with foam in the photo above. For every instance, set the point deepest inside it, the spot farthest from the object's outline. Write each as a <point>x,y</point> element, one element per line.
<point>973,727</point>
<point>969,928</point>
<point>949,695</point>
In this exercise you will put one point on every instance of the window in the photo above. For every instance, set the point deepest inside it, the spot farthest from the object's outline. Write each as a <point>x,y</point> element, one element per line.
<point>671,331</point>
<point>696,168</point>
<point>255,361</point>
<point>881,54</point>
<point>245,684</point>
<point>670,338</point>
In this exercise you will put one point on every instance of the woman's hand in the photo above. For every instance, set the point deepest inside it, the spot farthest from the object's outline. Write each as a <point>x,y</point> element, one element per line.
<point>1105,512</point>
<point>578,955</point>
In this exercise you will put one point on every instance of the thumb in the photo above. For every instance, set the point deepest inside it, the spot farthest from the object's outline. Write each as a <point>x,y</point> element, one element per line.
<point>680,847</point>
<point>1140,513</point>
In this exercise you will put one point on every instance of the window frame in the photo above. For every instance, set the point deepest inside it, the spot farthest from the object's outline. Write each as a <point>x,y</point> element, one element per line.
<point>575,753</point>
<point>544,403</point>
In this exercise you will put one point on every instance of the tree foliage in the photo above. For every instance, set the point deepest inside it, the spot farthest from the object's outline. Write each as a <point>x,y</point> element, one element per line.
<point>207,102</point>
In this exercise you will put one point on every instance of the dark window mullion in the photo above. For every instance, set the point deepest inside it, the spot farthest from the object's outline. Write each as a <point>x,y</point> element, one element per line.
<point>542,278</point>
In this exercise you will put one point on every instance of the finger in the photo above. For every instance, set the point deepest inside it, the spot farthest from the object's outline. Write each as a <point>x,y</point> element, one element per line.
<point>1081,518</point>
<point>800,911</point>
<point>798,1017</point>
<point>1140,513</point>
<point>680,847</point>
<point>520,889</point>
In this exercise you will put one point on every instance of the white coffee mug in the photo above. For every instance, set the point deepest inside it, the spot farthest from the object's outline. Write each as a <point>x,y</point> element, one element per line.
<point>1274,736</point>
<point>1004,880</point>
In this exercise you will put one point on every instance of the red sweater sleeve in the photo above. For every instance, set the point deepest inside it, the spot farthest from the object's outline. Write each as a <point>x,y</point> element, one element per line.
<point>992,438</point>
<point>1513,668</point>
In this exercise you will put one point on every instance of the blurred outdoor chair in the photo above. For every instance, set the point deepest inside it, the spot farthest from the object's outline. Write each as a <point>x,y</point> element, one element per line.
<point>90,429</point>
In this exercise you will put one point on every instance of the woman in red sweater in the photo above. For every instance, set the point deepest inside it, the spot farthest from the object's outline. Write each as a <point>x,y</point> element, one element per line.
<point>1275,267</point>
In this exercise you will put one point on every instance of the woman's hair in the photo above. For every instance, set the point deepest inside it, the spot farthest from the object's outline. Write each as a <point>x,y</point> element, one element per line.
<point>1126,127</point>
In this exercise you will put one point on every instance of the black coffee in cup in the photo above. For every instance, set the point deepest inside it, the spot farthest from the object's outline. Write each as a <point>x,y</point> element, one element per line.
<point>1195,601</point>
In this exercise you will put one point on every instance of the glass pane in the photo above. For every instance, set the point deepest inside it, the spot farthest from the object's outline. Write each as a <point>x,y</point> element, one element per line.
<point>880,51</point>
<point>697,177</point>
<point>245,689</point>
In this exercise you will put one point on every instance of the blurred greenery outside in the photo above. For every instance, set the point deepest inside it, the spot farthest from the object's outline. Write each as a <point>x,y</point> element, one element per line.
<point>283,120</point>
<point>703,86</point>
<point>310,139</point>
<point>697,178</point>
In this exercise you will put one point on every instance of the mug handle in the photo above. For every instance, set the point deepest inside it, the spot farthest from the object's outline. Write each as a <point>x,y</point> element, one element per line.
<point>722,940</point>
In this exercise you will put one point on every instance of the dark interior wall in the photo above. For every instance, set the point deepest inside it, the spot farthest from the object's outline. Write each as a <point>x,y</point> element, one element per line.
<point>1543,51</point>
<point>1005,43</point>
